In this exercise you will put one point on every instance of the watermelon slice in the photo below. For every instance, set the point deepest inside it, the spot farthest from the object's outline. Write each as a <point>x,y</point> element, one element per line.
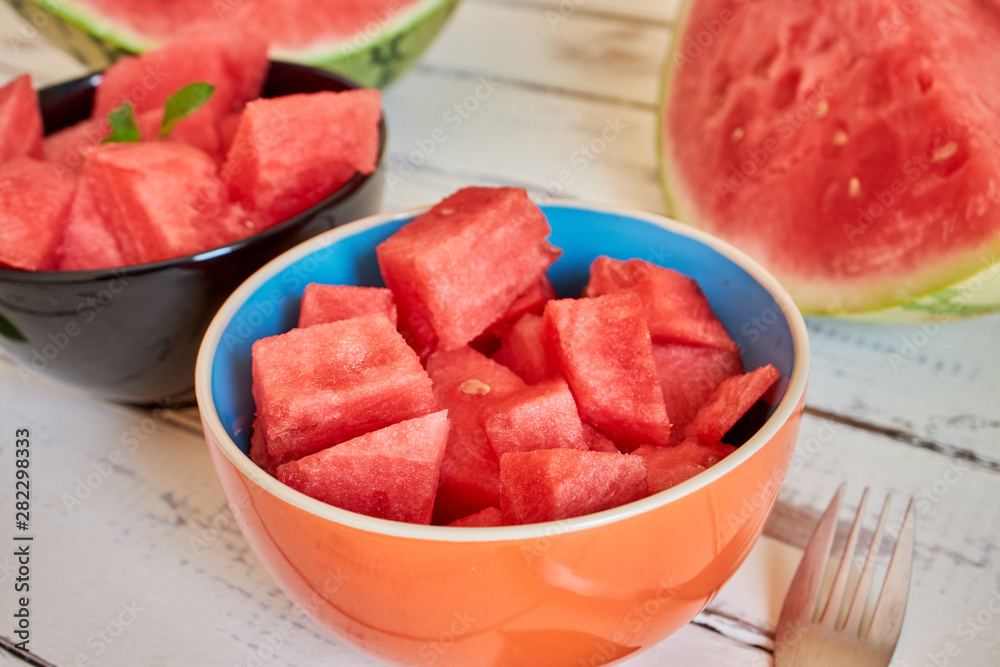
<point>669,466</point>
<point>234,63</point>
<point>468,384</point>
<point>554,484</point>
<point>372,41</point>
<point>456,269</point>
<point>20,120</point>
<point>332,303</point>
<point>605,353</point>
<point>391,473</point>
<point>849,147</point>
<point>486,518</point>
<point>676,309</point>
<point>35,198</point>
<point>688,375</point>
<point>328,383</point>
<point>523,350</point>
<point>161,199</point>
<point>729,401</point>
<point>290,152</point>
<point>542,416</point>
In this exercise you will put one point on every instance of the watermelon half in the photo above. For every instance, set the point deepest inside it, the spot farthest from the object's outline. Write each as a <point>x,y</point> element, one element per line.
<point>372,41</point>
<point>852,148</point>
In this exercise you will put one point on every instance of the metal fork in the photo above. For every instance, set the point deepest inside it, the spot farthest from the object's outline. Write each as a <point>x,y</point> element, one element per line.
<point>852,629</point>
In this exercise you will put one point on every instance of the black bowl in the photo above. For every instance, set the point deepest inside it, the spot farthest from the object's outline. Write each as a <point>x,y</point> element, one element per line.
<point>132,334</point>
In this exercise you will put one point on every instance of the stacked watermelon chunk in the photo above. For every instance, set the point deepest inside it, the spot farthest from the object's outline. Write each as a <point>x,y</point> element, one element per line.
<point>235,166</point>
<point>467,393</point>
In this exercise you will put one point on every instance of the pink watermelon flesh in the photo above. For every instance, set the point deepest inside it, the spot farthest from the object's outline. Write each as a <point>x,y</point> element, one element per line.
<point>555,484</point>
<point>332,303</point>
<point>20,120</point>
<point>198,131</point>
<point>234,63</point>
<point>729,401</point>
<point>676,309</point>
<point>542,416</point>
<point>597,441</point>
<point>669,466</point>
<point>35,198</point>
<point>456,269</point>
<point>850,147</point>
<point>605,353</point>
<point>391,473</point>
<point>258,450</point>
<point>88,241</point>
<point>319,386</point>
<point>162,199</point>
<point>523,350</point>
<point>487,518</point>
<point>467,384</point>
<point>288,24</point>
<point>531,301</point>
<point>689,374</point>
<point>291,152</point>
<point>69,146</point>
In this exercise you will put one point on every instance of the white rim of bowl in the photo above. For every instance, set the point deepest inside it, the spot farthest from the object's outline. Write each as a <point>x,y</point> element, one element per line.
<point>218,436</point>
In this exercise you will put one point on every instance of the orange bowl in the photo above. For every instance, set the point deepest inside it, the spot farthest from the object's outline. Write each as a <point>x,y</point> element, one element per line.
<point>585,591</point>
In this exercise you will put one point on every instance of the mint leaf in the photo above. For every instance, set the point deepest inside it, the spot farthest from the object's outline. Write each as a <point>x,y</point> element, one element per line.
<point>123,127</point>
<point>183,103</point>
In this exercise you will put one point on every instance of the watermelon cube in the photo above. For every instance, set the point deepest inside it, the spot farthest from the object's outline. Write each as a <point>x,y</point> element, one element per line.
<point>391,473</point>
<point>532,300</point>
<point>328,383</point>
<point>729,401</point>
<point>456,269</point>
<point>689,374</point>
<point>258,450</point>
<point>555,484</point>
<point>523,350</point>
<point>88,241</point>
<point>597,441</point>
<point>605,353</point>
<point>331,303</point>
<point>676,309</point>
<point>197,131</point>
<point>487,518</point>
<point>35,198</point>
<point>468,383</point>
<point>162,199</point>
<point>69,146</point>
<point>291,152</point>
<point>541,416</point>
<point>234,62</point>
<point>669,466</point>
<point>20,120</point>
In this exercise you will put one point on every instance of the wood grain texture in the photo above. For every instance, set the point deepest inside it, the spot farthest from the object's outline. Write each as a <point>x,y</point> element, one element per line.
<point>557,96</point>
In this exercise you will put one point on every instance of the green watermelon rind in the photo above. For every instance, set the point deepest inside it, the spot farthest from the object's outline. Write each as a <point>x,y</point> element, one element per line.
<point>975,293</point>
<point>372,60</point>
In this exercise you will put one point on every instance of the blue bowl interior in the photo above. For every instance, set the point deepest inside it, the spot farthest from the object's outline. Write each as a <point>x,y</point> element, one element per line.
<point>749,312</point>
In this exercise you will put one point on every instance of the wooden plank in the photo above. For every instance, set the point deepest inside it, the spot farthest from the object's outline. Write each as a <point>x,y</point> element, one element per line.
<point>553,145</point>
<point>596,55</point>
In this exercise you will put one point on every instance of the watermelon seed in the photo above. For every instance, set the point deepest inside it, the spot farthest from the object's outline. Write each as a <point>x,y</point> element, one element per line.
<point>822,109</point>
<point>853,187</point>
<point>945,152</point>
<point>839,138</point>
<point>737,134</point>
<point>474,388</point>
<point>446,211</point>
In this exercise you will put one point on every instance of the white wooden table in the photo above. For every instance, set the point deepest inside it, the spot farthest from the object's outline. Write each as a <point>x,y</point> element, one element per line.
<point>137,560</point>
